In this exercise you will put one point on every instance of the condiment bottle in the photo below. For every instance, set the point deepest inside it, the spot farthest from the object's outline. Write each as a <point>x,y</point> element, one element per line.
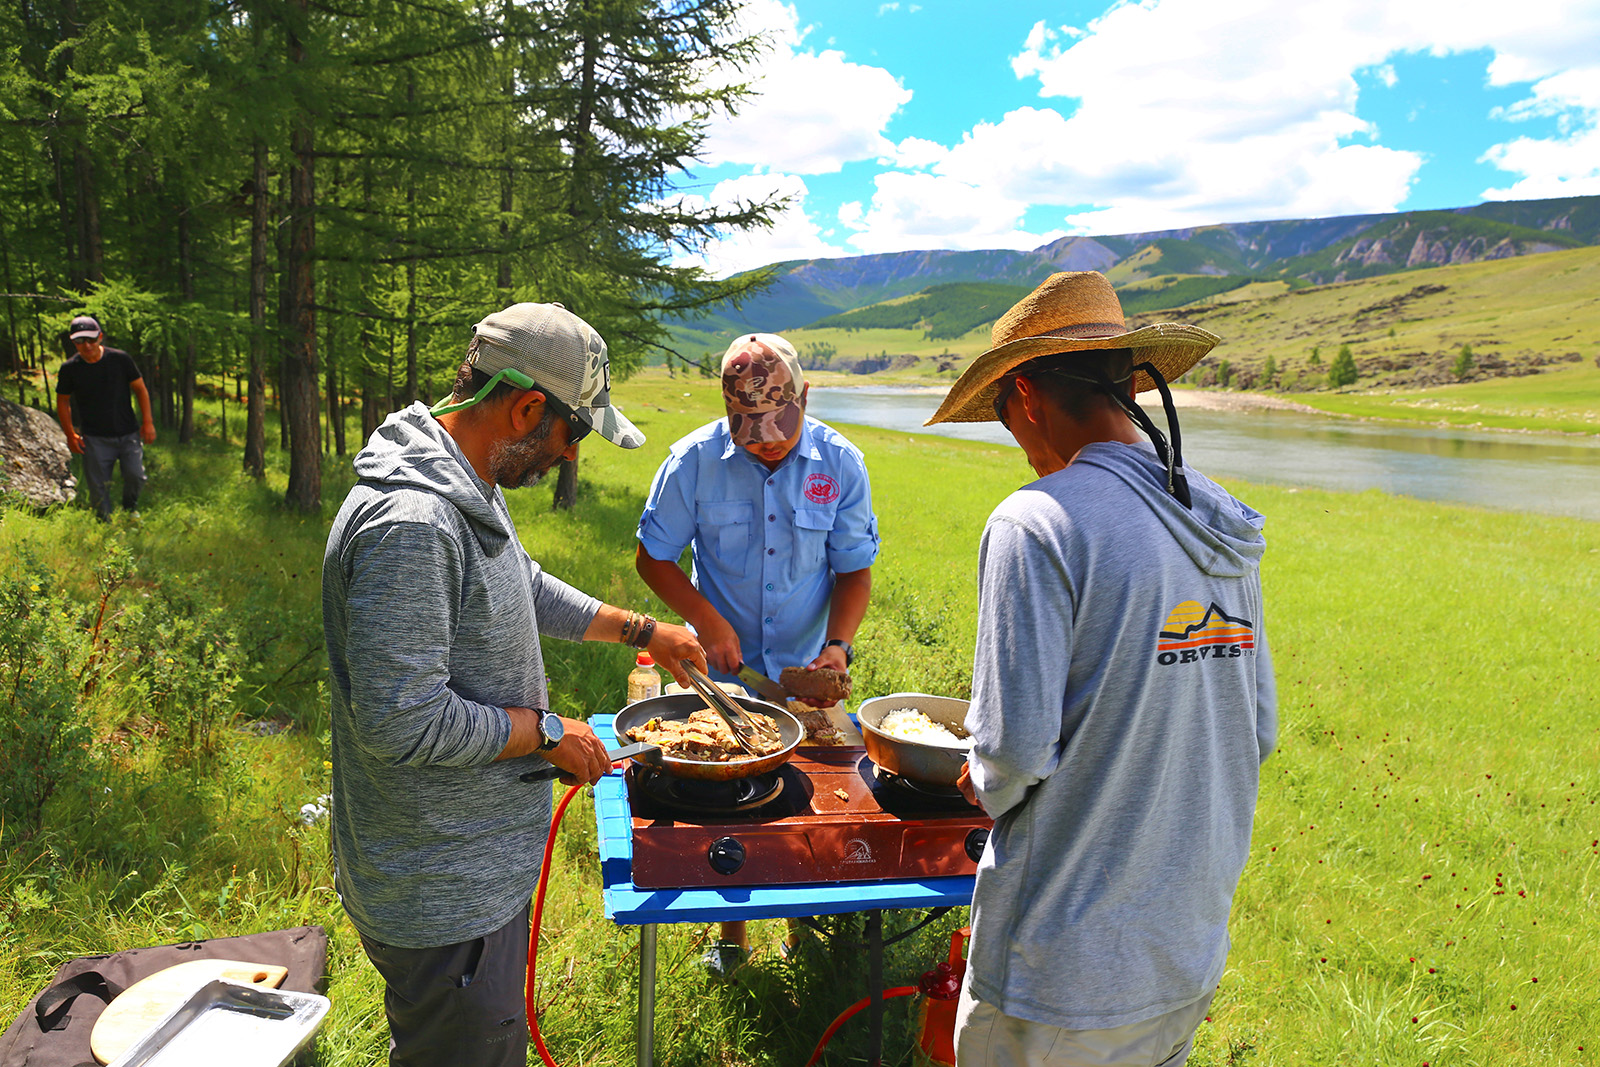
<point>644,681</point>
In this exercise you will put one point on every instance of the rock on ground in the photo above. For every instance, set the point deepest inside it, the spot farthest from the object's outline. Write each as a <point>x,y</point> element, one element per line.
<point>35,462</point>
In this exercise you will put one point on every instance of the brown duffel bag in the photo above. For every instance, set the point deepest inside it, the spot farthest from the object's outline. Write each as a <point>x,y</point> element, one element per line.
<point>53,1030</point>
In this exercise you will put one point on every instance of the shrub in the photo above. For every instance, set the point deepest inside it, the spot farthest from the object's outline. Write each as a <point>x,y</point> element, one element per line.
<point>188,664</point>
<point>44,735</point>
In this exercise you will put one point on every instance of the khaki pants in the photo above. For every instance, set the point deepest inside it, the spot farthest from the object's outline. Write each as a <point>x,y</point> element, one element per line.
<point>986,1037</point>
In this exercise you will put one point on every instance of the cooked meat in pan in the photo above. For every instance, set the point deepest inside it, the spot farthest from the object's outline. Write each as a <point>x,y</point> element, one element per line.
<point>702,737</point>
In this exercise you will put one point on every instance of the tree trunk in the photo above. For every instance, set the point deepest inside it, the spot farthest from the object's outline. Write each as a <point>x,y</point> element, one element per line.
<point>371,399</point>
<point>335,396</point>
<point>300,363</point>
<point>89,216</point>
<point>186,288</point>
<point>411,392</point>
<point>285,311</point>
<point>566,493</point>
<point>255,441</point>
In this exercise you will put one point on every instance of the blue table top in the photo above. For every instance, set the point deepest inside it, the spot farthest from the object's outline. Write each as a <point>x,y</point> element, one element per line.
<point>630,905</point>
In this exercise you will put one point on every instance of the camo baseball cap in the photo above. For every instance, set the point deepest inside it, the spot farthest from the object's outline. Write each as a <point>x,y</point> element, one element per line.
<point>763,388</point>
<point>563,355</point>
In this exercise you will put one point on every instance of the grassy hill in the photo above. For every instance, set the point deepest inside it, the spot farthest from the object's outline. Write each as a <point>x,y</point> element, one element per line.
<point>943,312</point>
<point>1532,323</point>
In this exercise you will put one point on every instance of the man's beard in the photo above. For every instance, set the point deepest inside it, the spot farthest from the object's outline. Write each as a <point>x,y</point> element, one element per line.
<point>521,463</point>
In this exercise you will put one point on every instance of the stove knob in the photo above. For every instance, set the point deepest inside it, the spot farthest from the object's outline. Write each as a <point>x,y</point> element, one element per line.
<point>726,855</point>
<point>978,838</point>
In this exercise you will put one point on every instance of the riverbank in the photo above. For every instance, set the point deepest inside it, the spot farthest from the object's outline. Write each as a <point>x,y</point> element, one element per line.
<point>1561,401</point>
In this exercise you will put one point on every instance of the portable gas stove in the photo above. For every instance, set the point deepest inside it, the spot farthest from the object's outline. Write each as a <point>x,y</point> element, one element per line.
<point>827,815</point>
<point>917,844</point>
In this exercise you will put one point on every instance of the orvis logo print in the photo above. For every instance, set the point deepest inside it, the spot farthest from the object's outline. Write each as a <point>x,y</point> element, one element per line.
<point>1194,633</point>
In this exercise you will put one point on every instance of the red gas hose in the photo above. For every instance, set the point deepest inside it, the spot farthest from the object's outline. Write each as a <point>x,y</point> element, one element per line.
<point>538,915</point>
<point>844,1016</point>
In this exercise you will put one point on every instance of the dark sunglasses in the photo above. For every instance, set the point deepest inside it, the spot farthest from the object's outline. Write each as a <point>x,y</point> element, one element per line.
<point>1000,399</point>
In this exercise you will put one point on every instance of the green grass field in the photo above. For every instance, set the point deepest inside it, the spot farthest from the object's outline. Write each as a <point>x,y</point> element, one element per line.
<point>1423,878</point>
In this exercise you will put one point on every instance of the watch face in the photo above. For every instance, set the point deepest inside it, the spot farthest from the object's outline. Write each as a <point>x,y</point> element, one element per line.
<point>552,729</point>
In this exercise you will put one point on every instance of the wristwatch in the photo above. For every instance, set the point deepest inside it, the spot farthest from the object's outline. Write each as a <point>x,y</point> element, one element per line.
<point>551,730</point>
<point>849,655</point>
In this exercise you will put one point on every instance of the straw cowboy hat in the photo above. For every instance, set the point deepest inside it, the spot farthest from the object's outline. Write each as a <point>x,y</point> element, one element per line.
<point>1075,311</point>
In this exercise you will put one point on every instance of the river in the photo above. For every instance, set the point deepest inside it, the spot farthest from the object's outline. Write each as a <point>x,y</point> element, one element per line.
<point>1549,474</point>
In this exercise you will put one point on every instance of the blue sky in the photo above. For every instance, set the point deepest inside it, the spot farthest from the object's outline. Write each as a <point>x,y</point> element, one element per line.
<point>960,124</point>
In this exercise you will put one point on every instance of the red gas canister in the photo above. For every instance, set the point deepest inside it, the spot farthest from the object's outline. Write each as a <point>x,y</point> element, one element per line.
<point>941,989</point>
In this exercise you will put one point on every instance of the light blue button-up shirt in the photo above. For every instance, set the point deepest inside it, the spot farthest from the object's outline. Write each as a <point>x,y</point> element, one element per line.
<point>766,543</point>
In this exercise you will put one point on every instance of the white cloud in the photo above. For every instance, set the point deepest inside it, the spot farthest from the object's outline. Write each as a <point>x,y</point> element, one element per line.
<point>914,153</point>
<point>915,211</point>
<point>1195,111</point>
<point>795,235</point>
<point>1567,164</point>
<point>813,112</point>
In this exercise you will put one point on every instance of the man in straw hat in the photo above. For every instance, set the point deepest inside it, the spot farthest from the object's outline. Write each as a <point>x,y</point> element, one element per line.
<point>1122,697</point>
<point>432,613</point>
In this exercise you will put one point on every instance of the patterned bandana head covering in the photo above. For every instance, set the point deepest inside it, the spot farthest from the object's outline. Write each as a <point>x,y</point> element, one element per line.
<point>763,389</point>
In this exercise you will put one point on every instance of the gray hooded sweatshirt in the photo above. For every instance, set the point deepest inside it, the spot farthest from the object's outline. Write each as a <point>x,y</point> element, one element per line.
<point>1122,703</point>
<point>432,613</point>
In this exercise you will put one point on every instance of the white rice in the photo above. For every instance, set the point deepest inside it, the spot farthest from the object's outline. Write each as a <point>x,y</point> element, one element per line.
<point>911,724</point>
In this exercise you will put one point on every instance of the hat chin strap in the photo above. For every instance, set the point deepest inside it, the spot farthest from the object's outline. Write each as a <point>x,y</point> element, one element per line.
<point>1171,458</point>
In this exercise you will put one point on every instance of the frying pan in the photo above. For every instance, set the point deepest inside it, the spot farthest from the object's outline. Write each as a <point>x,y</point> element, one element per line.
<point>681,706</point>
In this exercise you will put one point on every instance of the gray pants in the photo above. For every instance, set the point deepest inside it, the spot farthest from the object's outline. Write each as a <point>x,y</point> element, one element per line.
<point>463,1005</point>
<point>99,454</point>
<point>988,1038</point>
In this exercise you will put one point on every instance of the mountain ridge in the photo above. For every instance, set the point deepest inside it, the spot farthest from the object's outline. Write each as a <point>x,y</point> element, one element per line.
<point>1299,252</point>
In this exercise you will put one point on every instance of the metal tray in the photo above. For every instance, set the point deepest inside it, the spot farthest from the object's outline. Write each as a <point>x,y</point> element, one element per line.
<point>225,1022</point>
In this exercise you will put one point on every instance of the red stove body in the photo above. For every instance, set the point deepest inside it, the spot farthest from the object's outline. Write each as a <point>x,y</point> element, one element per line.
<point>831,819</point>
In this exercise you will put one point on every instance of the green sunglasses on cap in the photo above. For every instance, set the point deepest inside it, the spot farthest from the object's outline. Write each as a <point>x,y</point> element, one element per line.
<point>577,428</point>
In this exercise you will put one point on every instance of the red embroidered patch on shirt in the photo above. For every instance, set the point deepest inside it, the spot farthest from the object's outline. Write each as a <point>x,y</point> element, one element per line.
<point>821,489</point>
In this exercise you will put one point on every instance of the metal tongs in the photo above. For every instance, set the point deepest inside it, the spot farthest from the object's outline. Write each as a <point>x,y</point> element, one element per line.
<point>746,730</point>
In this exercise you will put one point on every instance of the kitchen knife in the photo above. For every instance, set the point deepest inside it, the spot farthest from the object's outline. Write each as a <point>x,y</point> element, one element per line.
<point>551,773</point>
<point>768,689</point>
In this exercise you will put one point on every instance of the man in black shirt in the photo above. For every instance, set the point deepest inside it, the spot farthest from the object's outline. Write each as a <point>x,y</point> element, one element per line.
<point>98,382</point>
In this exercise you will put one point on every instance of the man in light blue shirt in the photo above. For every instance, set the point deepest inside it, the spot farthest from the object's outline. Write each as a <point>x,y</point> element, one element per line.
<point>778,510</point>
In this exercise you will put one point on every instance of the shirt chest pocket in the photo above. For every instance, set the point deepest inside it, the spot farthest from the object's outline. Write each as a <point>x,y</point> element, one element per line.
<point>811,529</point>
<point>727,526</point>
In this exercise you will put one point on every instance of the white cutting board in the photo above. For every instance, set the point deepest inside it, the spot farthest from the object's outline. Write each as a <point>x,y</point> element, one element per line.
<point>147,1001</point>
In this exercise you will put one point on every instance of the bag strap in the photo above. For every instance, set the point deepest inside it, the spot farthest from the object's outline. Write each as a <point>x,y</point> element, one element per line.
<point>53,1004</point>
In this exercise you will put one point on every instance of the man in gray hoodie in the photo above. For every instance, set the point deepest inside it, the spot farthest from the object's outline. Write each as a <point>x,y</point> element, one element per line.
<point>1122,698</point>
<point>432,613</point>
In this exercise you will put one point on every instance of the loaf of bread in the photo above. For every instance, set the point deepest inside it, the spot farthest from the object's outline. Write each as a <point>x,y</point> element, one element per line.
<point>821,684</point>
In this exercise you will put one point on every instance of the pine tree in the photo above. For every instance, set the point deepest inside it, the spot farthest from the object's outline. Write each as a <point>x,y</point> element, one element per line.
<point>1342,371</point>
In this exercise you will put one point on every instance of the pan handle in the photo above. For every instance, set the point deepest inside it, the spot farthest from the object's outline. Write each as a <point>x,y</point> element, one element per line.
<point>615,755</point>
